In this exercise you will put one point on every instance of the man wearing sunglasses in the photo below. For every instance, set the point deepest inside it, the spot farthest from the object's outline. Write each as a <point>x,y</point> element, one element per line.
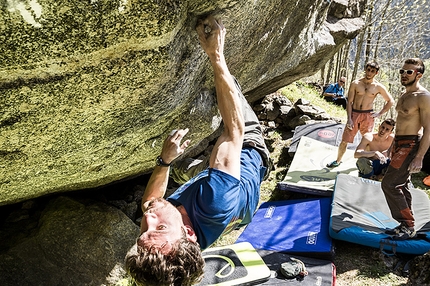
<point>411,141</point>
<point>335,93</point>
<point>359,109</point>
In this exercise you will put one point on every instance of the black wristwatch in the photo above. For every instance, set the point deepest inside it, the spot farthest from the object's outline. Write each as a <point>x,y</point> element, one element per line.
<point>159,161</point>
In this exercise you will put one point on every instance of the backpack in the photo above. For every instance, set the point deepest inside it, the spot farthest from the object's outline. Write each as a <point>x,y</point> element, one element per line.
<point>324,89</point>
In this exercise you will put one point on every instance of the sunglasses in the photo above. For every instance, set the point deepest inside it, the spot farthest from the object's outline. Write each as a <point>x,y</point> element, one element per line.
<point>342,81</point>
<point>409,72</point>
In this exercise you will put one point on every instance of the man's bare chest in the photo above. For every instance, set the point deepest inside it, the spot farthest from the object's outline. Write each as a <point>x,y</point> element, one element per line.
<point>407,104</point>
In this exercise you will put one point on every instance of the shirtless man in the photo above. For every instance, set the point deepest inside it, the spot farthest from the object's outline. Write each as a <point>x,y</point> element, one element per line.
<point>359,109</point>
<point>411,141</point>
<point>373,151</point>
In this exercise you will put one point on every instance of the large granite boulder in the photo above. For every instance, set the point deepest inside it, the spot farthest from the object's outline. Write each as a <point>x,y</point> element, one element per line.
<point>73,243</point>
<point>90,89</point>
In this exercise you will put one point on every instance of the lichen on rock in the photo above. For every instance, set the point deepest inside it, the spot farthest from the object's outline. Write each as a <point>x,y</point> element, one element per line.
<point>91,89</point>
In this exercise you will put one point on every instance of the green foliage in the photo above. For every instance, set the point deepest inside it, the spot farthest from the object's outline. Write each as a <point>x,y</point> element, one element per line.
<point>125,282</point>
<point>417,181</point>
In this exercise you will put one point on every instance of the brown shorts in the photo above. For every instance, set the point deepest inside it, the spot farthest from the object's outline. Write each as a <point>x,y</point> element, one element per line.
<point>403,145</point>
<point>362,120</point>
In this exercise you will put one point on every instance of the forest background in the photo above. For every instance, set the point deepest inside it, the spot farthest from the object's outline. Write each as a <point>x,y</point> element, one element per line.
<point>394,31</point>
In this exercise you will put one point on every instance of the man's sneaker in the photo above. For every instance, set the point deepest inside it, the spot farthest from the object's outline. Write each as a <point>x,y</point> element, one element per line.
<point>405,233</point>
<point>333,164</point>
<point>394,231</point>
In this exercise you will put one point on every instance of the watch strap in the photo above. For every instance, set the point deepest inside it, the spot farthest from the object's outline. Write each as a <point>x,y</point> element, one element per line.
<point>160,162</point>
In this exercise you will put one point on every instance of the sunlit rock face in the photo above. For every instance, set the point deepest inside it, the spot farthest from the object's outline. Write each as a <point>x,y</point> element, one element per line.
<point>90,89</point>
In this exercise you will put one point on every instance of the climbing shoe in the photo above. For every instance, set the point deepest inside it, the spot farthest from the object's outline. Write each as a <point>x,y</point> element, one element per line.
<point>404,233</point>
<point>333,164</point>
